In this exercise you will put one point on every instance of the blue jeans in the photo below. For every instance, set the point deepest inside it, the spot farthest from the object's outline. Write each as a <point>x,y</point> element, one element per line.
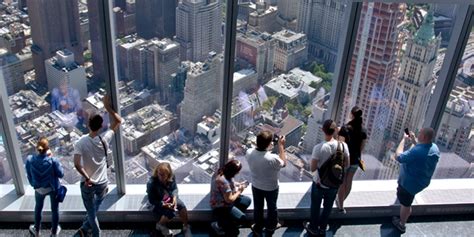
<point>39,202</point>
<point>92,197</point>
<point>229,218</point>
<point>317,195</point>
<point>259,196</point>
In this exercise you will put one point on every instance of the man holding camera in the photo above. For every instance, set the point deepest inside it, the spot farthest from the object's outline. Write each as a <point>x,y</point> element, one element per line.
<point>264,168</point>
<point>417,166</point>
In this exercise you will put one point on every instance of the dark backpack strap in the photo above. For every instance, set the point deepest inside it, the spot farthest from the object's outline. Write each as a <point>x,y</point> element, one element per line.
<point>103,145</point>
<point>343,153</point>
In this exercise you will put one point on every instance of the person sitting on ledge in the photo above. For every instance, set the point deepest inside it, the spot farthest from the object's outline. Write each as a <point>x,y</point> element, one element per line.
<point>163,194</point>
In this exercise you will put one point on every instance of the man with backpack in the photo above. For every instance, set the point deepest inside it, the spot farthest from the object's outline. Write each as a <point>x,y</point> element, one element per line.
<point>329,158</point>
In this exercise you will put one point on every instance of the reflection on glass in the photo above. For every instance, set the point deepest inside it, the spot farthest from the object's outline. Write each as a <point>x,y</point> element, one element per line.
<point>170,66</point>
<point>5,173</point>
<point>48,67</point>
<point>285,59</point>
<point>398,53</point>
<point>455,134</point>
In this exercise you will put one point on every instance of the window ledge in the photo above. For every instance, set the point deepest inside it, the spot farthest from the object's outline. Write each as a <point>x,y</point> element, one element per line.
<point>367,199</point>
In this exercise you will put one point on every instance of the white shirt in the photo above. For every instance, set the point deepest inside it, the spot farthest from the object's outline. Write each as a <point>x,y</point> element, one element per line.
<point>93,156</point>
<point>264,168</point>
<point>323,151</point>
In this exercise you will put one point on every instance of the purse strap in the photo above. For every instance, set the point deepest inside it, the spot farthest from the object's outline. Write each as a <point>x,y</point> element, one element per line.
<point>103,145</point>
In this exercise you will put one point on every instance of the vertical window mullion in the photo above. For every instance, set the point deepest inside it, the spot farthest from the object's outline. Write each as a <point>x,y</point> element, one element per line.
<point>343,63</point>
<point>449,69</point>
<point>107,30</point>
<point>229,55</point>
<point>10,140</point>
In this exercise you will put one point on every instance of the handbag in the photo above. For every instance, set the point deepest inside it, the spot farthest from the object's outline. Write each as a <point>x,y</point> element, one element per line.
<point>62,190</point>
<point>362,164</point>
<point>61,193</point>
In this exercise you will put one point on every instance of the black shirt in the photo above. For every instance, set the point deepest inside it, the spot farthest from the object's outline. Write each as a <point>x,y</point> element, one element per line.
<point>356,137</point>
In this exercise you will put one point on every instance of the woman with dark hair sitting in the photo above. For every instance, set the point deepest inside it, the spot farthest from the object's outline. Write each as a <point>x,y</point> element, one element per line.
<point>163,194</point>
<point>43,172</point>
<point>227,202</point>
<point>355,136</point>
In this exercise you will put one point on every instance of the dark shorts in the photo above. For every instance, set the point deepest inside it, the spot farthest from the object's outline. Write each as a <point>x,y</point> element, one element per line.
<point>404,197</point>
<point>170,214</point>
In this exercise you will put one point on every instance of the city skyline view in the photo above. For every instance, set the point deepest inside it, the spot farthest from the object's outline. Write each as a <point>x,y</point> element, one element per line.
<point>169,73</point>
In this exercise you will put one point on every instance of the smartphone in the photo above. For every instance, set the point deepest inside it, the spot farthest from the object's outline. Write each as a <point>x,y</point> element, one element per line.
<point>275,139</point>
<point>407,132</point>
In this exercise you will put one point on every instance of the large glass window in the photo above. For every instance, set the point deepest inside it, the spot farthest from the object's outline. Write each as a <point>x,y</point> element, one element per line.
<point>170,73</point>
<point>398,53</point>
<point>285,60</point>
<point>456,131</point>
<point>5,171</point>
<point>52,74</point>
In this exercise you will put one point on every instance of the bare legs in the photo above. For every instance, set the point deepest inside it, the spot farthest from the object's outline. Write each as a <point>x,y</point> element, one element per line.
<point>345,189</point>
<point>183,215</point>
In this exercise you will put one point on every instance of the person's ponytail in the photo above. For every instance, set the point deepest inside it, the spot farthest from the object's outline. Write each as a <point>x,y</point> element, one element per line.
<point>43,146</point>
<point>357,121</point>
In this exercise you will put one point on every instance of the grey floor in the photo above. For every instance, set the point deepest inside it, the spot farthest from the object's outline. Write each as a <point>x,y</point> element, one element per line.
<point>443,228</point>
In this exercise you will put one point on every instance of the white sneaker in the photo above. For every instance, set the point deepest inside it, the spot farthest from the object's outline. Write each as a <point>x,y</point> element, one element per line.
<point>187,231</point>
<point>33,230</point>
<point>165,231</point>
<point>57,231</point>
<point>217,228</point>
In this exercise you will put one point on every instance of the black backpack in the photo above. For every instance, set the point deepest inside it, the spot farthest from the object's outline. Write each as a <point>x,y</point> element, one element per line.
<point>331,173</point>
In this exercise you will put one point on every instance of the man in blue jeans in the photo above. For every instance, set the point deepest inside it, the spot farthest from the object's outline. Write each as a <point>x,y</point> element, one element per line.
<point>417,167</point>
<point>321,153</point>
<point>91,161</point>
<point>265,168</point>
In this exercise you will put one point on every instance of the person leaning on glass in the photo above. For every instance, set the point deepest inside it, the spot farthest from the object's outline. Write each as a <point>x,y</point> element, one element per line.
<point>163,195</point>
<point>227,202</point>
<point>43,172</point>
<point>91,161</point>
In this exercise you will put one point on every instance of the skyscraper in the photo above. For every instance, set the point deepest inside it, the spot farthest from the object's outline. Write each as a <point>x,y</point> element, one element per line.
<point>287,10</point>
<point>258,49</point>
<point>264,18</point>
<point>201,91</point>
<point>165,63</point>
<point>454,133</point>
<point>321,21</point>
<point>373,68</point>
<point>198,28</point>
<point>416,80</point>
<point>12,71</point>
<point>287,13</point>
<point>291,50</point>
<point>156,18</point>
<point>54,26</point>
<point>62,70</point>
<point>96,39</point>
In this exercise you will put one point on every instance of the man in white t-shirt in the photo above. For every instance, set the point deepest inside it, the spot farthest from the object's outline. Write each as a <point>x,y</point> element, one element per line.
<point>91,161</point>
<point>265,168</point>
<point>321,153</point>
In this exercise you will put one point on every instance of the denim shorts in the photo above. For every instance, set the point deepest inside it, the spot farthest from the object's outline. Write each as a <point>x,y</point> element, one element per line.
<point>404,197</point>
<point>352,168</point>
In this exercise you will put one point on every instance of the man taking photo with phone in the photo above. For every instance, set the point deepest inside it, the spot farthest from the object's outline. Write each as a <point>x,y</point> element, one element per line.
<point>418,164</point>
<point>265,168</point>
